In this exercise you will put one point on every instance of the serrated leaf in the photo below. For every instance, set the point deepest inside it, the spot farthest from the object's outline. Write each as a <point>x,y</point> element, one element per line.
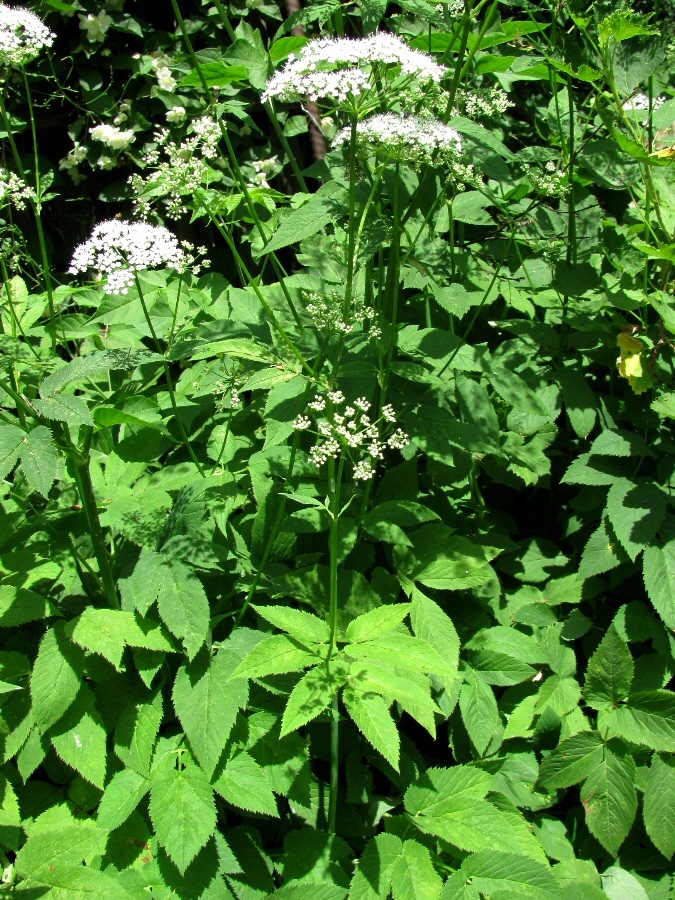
<point>307,219</point>
<point>658,567</point>
<point>19,605</point>
<point>80,739</point>
<point>413,876</point>
<point>432,625</point>
<point>377,622</point>
<point>136,733</point>
<point>478,707</point>
<point>39,459</point>
<point>647,718</point>
<point>438,790</point>
<point>372,878</point>
<point>183,605</point>
<point>243,783</point>
<point>602,553</point>
<point>56,678</point>
<point>559,694</point>
<point>636,510</point>
<point>572,760</point>
<point>275,655</point>
<point>11,835</point>
<point>308,699</point>
<point>11,441</point>
<point>371,715</point>
<point>140,589</point>
<point>401,651</point>
<point>618,884</point>
<point>659,803</point>
<point>412,690</point>
<point>207,704</point>
<point>65,408</point>
<point>610,672</point>
<point>299,624</point>
<point>182,810</point>
<point>51,847</point>
<point>609,800</point>
<point>124,792</point>
<point>493,872</point>
<point>108,631</point>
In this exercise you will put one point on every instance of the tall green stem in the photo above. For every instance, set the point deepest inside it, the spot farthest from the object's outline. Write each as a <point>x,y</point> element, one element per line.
<point>335,485</point>
<point>169,381</point>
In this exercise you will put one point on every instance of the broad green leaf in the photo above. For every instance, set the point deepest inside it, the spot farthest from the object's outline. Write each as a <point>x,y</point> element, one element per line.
<point>11,836</point>
<point>11,442</point>
<point>275,655</point>
<point>406,513</point>
<point>480,135</point>
<point>437,790</point>
<point>602,553</point>
<point>19,605</point>
<point>207,704</point>
<point>183,605</point>
<point>299,624</point>
<point>108,631</point>
<point>647,718</point>
<point>65,408</point>
<point>572,760</point>
<point>610,672</point>
<point>580,401</point>
<point>124,792</point>
<point>80,739</point>
<point>658,567</point>
<point>412,690</point>
<point>443,561</point>
<point>478,707</point>
<point>56,678</point>
<point>182,809</point>
<point>635,510</point>
<point>95,364</point>
<point>500,668</point>
<point>50,848</point>
<point>321,208</point>
<point>372,878</point>
<point>377,622</point>
<point>492,872</point>
<point>618,884</point>
<point>659,803</point>
<point>39,459</point>
<point>373,719</point>
<point>140,589</point>
<point>243,783</point>
<point>308,699</point>
<point>432,625</point>
<point>609,800</point>
<point>136,733</point>
<point>401,651</point>
<point>413,876</point>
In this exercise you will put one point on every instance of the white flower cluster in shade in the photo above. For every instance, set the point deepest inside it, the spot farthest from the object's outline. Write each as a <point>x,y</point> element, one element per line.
<point>14,190</point>
<point>413,139</point>
<point>641,102</point>
<point>552,182</point>
<point>350,431</point>
<point>72,160</point>
<point>22,36</point>
<point>113,137</point>
<point>121,249</point>
<point>181,167</point>
<point>335,68</point>
<point>484,102</point>
<point>96,26</point>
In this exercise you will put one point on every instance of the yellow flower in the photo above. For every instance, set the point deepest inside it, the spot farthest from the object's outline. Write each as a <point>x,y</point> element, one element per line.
<point>631,363</point>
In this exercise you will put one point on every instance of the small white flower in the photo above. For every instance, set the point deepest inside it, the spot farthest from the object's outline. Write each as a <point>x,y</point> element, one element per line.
<point>388,413</point>
<point>14,190</point>
<point>177,114</point>
<point>398,440</point>
<point>96,26</point>
<point>165,79</point>
<point>336,397</point>
<point>22,36</point>
<point>364,470</point>
<point>318,404</point>
<point>364,406</point>
<point>301,423</point>
<point>413,139</point>
<point>112,136</point>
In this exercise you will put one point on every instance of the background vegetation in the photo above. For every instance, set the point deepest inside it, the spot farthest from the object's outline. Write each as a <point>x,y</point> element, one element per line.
<point>239,660</point>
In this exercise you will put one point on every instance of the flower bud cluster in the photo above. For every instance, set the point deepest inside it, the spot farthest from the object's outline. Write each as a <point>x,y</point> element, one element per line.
<point>484,102</point>
<point>335,69</point>
<point>22,36</point>
<point>327,311</point>
<point>350,431</point>
<point>122,249</point>
<point>14,190</point>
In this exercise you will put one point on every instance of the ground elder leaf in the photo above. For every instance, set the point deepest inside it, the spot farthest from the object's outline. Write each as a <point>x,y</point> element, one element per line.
<point>243,783</point>
<point>56,678</point>
<point>478,707</point>
<point>493,871</point>
<point>376,622</point>
<point>299,624</point>
<point>371,715</point>
<point>39,459</point>
<point>609,800</point>
<point>183,605</point>
<point>80,739</point>
<point>136,733</point>
<point>572,760</point>
<point>372,878</point>
<point>123,793</point>
<point>413,876</point>
<point>647,718</point>
<point>308,699</point>
<point>659,803</point>
<point>275,655</point>
<point>658,567</point>
<point>610,672</point>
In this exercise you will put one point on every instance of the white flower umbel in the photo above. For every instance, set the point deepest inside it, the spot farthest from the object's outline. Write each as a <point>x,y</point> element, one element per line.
<point>122,249</point>
<point>350,432</point>
<point>14,190</point>
<point>552,182</point>
<point>486,102</point>
<point>412,139</point>
<point>641,102</point>
<point>335,69</point>
<point>22,36</point>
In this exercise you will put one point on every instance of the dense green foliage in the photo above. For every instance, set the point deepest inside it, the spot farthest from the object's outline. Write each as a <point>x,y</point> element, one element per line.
<point>341,561</point>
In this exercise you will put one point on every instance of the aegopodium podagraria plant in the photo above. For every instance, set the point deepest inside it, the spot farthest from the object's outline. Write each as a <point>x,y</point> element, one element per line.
<point>334,70</point>
<point>351,433</point>
<point>14,190</point>
<point>22,36</point>
<point>120,250</point>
